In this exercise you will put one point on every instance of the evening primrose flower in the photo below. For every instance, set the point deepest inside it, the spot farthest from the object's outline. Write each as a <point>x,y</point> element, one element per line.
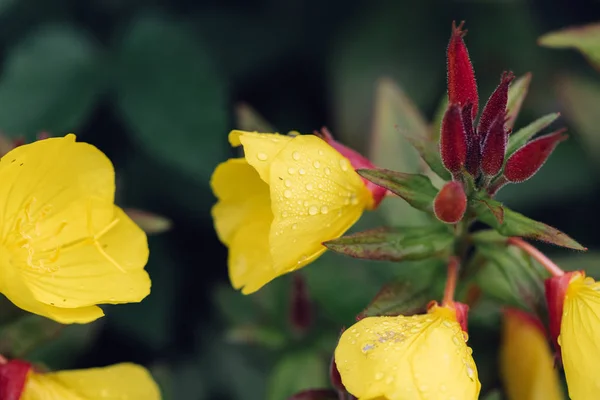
<point>574,305</point>
<point>282,200</point>
<point>65,246</point>
<point>526,360</point>
<point>19,381</point>
<point>406,358</point>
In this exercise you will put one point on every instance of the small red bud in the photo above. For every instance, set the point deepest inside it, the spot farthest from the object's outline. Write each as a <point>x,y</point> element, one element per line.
<point>494,148</point>
<point>13,376</point>
<point>462,315</point>
<point>462,87</point>
<point>496,105</point>
<point>301,317</point>
<point>453,140</point>
<point>473,141</point>
<point>357,161</point>
<point>526,161</point>
<point>556,288</point>
<point>450,203</point>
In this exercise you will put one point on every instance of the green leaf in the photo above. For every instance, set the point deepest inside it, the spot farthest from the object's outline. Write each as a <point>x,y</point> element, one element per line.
<point>416,189</point>
<point>296,372</point>
<point>522,136</point>
<point>430,153</point>
<point>493,395</point>
<point>248,119</point>
<point>436,125</point>
<point>510,277</point>
<point>399,298</point>
<point>50,83</point>
<point>584,38</point>
<point>511,223</point>
<point>150,223</point>
<point>172,97</point>
<point>25,334</point>
<point>395,244</point>
<point>395,112</point>
<point>256,335</point>
<point>516,95</point>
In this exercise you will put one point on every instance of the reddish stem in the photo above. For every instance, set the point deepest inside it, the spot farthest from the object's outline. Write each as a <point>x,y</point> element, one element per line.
<point>448,299</point>
<point>547,263</point>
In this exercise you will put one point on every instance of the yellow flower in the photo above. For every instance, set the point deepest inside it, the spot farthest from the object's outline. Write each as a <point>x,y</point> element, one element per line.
<point>279,203</point>
<point>121,381</point>
<point>408,358</point>
<point>65,246</point>
<point>526,360</point>
<point>578,340</point>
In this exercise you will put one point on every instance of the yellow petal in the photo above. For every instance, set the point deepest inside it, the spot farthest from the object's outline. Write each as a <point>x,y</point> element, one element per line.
<point>526,361</point>
<point>260,149</point>
<point>579,338</point>
<point>240,192</point>
<point>316,196</point>
<point>406,358</point>
<point>117,382</point>
<point>64,245</point>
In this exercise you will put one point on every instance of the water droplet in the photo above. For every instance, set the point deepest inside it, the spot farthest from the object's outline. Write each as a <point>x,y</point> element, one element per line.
<point>389,379</point>
<point>287,194</point>
<point>379,376</point>
<point>447,323</point>
<point>470,372</point>
<point>354,200</point>
<point>367,347</point>
<point>313,210</point>
<point>288,183</point>
<point>327,171</point>
<point>469,350</point>
<point>320,152</point>
<point>309,186</point>
<point>301,259</point>
<point>324,210</point>
<point>262,156</point>
<point>294,226</point>
<point>301,171</point>
<point>344,164</point>
<point>305,204</point>
<point>284,214</point>
<point>455,341</point>
<point>466,336</point>
<point>291,170</point>
<point>296,155</point>
<point>317,164</point>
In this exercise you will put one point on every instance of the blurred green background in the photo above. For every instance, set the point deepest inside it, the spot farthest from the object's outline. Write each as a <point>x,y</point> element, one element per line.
<point>156,84</point>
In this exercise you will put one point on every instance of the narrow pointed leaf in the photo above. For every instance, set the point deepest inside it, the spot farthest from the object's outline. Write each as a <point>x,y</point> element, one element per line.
<point>416,189</point>
<point>516,95</point>
<point>430,153</point>
<point>395,244</point>
<point>526,161</point>
<point>436,124</point>
<point>511,223</point>
<point>522,136</point>
<point>453,140</point>
<point>462,87</point>
<point>584,38</point>
<point>496,105</point>
<point>248,119</point>
<point>398,298</point>
<point>494,148</point>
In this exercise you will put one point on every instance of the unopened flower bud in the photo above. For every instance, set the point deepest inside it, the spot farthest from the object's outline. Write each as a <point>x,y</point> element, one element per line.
<point>462,87</point>
<point>496,105</point>
<point>13,375</point>
<point>453,140</point>
<point>526,161</point>
<point>494,148</point>
<point>450,203</point>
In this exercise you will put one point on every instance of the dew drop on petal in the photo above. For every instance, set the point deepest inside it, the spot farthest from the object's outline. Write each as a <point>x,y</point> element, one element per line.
<point>287,194</point>
<point>291,170</point>
<point>327,171</point>
<point>296,155</point>
<point>324,210</point>
<point>305,204</point>
<point>313,210</point>
<point>288,183</point>
<point>301,171</point>
<point>262,156</point>
<point>344,164</point>
<point>379,376</point>
<point>320,152</point>
<point>294,226</point>
<point>317,164</point>
<point>284,214</point>
<point>309,186</point>
<point>389,379</point>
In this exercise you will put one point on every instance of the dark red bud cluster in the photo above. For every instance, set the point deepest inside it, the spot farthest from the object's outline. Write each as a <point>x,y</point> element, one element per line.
<point>13,375</point>
<point>480,150</point>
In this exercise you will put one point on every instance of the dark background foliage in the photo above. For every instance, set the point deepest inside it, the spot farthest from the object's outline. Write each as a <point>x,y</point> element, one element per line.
<point>155,84</point>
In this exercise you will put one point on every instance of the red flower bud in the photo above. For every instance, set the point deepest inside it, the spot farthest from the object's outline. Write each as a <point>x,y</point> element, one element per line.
<point>496,105</point>
<point>526,161</point>
<point>473,142</point>
<point>453,140</point>
<point>300,307</point>
<point>357,161</point>
<point>556,288</point>
<point>462,88</point>
<point>494,148</point>
<point>462,314</point>
<point>450,203</point>
<point>13,375</point>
